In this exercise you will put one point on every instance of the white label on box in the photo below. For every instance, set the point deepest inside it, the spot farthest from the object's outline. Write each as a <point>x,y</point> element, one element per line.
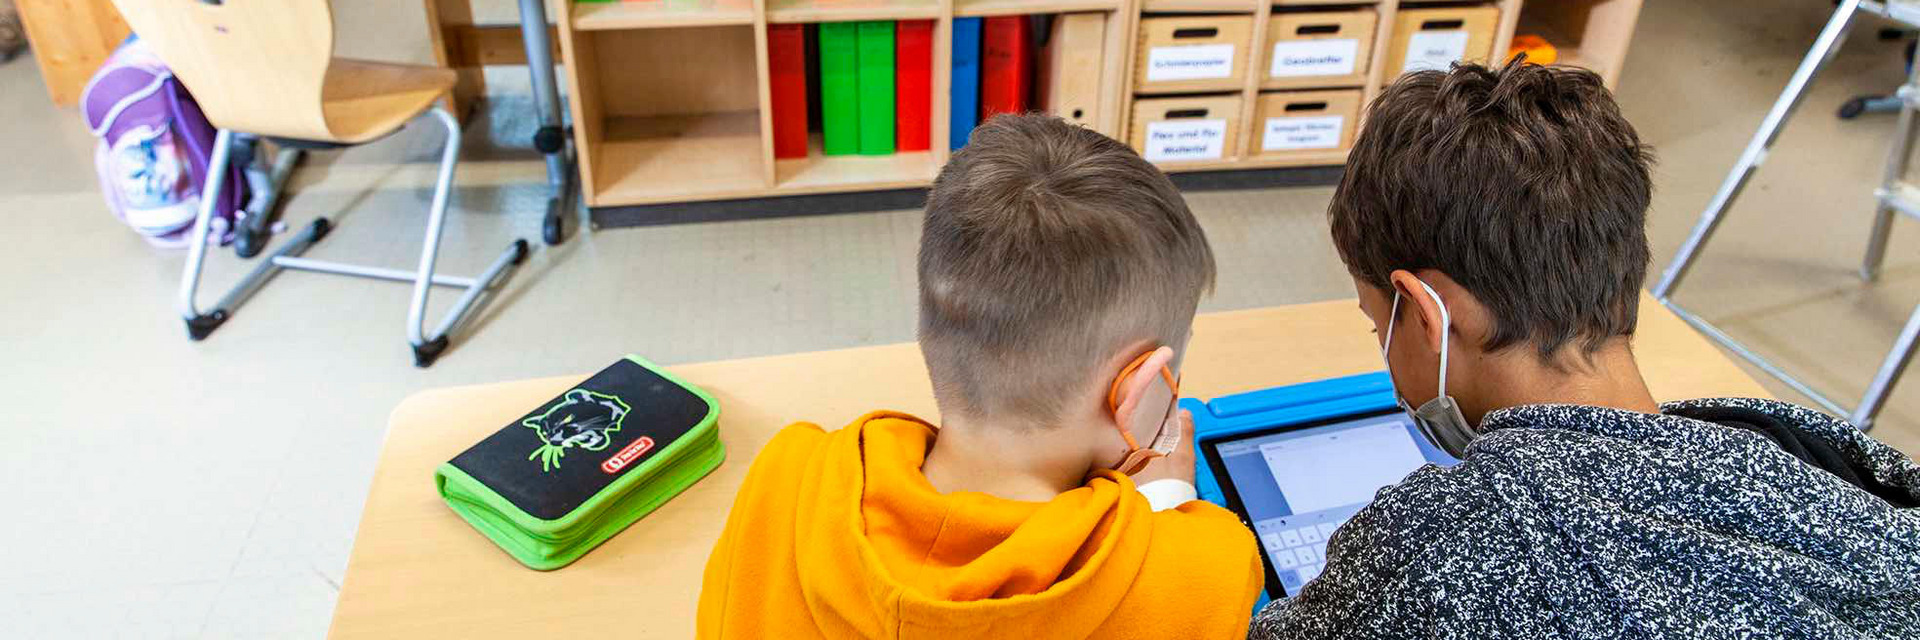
<point>1186,140</point>
<point>1295,58</point>
<point>1190,62</point>
<point>1434,50</point>
<point>1314,132</point>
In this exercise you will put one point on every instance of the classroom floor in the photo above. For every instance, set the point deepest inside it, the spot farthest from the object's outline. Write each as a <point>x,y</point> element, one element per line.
<point>162,488</point>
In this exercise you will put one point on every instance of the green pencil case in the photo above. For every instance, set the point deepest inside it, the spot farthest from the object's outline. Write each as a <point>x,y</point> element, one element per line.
<point>580,468</point>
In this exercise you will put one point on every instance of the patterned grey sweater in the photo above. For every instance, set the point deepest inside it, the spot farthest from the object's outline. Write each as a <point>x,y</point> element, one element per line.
<point>1584,522</point>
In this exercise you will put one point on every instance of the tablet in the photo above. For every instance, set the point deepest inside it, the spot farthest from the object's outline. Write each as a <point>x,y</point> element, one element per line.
<point>1294,481</point>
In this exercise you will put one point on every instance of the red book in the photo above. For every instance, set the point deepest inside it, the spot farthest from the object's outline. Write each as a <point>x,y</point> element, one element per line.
<point>787,73</point>
<point>913,85</point>
<point>1006,65</point>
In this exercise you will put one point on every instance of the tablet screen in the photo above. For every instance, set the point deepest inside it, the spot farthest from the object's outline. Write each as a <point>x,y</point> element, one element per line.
<point>1296,484</point>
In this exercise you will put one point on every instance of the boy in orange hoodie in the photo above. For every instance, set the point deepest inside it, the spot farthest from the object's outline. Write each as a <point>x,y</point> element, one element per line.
<point>1059,274</point>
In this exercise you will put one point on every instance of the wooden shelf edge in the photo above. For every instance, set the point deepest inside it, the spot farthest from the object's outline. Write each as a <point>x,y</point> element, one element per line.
<point>1314,159</point>
<point>982,8</point>
<point>1200,6</point>
<point>595,16</point>
<point>895,10</point>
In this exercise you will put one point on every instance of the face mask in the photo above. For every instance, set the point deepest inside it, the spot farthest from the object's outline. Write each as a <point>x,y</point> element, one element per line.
<point>1439,419</point>
<point>1164,440</point>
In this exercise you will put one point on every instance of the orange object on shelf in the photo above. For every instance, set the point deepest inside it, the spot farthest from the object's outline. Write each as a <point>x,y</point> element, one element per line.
<point>1538,50</point>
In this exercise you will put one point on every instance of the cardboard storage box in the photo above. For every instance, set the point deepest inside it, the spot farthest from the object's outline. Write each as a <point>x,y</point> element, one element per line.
<point>1435,38</point>
<point>1193,53</point>
<point>1186,129</point>
<point>1319,49</point>
<point>1295,123</point>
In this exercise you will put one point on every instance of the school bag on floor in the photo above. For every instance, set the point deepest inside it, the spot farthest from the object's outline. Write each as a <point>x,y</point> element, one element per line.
<point>155,145</point>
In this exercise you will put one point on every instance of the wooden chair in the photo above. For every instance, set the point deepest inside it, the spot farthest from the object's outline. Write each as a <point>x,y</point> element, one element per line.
<point>266,68</point>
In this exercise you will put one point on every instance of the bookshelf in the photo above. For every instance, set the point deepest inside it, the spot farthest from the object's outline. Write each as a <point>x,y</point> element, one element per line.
<point>670,98</point>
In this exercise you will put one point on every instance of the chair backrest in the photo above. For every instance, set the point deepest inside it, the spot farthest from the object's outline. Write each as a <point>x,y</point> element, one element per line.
<point>256,66</point>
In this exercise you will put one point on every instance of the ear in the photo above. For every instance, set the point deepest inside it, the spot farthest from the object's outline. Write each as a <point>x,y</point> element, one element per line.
<point>1427,311</point>
<point>1135,386</point>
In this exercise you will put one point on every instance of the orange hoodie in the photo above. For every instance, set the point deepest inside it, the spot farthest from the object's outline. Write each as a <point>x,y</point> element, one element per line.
<point>839,535</point>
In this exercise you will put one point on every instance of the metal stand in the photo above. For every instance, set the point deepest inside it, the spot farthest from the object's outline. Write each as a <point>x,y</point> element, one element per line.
<point>1895,196</point>
<point>427,346</point>
<point>551,139</point>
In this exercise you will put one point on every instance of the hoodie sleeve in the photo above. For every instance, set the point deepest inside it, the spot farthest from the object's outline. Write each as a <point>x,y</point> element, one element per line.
<point>1411,565</point>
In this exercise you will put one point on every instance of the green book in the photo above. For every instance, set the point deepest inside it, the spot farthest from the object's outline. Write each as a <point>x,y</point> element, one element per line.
<point>839,87</point>
<point>876,88</point>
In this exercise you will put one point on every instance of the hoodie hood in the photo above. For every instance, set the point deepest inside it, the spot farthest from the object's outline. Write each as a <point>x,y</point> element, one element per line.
<point>901,554</point>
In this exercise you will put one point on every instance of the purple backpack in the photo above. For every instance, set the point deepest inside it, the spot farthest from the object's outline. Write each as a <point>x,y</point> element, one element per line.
<point>154,148</point>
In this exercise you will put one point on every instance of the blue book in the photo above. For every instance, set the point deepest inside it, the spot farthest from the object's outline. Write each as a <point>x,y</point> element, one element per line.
<point>966,81</point>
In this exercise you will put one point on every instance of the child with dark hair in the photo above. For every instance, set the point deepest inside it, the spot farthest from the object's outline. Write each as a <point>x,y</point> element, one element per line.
<point>1494,222</point>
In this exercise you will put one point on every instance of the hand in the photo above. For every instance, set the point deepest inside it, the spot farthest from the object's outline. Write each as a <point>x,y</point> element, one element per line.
<point>1179,464</point>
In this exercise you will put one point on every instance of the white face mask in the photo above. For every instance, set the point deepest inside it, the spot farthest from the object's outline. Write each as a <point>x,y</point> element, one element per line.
<point>1440,418</point>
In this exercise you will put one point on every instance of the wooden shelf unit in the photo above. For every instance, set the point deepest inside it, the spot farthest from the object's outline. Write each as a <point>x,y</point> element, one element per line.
<point>669,98</point>
<point>1606,26</point>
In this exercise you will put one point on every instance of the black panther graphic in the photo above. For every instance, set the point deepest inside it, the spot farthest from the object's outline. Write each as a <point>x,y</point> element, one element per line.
<point>580,419</point>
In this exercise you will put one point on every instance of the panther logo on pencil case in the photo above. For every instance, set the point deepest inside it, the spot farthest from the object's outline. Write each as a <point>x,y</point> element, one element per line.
<point>582,419</point>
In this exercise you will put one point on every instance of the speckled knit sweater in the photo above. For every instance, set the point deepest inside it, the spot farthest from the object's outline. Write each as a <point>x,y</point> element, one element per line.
<point>1585,522</point>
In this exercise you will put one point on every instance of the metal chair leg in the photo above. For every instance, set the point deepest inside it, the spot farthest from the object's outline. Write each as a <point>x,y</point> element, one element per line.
<point>1817,58</point>
<point>199,324</point>
<point>427,347</point>
<point>202,324</point>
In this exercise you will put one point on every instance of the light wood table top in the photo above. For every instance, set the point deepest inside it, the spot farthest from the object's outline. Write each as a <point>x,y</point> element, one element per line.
<point>417,570</point>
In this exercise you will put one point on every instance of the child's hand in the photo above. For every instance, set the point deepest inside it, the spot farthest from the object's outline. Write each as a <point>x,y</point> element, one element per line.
<point>1179,464</point>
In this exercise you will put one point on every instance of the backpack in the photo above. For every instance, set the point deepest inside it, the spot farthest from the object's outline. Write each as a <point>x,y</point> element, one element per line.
<point>155,145</point>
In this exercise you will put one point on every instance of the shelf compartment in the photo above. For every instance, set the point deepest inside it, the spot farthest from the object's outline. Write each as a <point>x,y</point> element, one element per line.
<point>784,11</point>
<point>653,159</point>
<point>1592,34</point>
<point>820,173</point>
<point>974,8</point>
<point>643,14</point>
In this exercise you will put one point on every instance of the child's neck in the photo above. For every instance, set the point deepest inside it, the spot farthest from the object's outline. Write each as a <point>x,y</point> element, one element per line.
<point>1007,460</point>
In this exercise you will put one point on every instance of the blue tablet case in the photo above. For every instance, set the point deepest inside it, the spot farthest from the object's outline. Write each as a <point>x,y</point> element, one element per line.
<point>1239,413</point>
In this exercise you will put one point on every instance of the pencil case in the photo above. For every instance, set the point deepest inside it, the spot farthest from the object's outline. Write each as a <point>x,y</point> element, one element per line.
<point>552,485</point>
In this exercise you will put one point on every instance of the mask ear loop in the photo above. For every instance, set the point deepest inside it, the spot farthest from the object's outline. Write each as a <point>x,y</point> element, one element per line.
<point>1136,457</point>
<point>1446,331</point>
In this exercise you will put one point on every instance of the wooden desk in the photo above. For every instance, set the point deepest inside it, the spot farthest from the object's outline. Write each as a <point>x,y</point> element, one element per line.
<point>418,570</point>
